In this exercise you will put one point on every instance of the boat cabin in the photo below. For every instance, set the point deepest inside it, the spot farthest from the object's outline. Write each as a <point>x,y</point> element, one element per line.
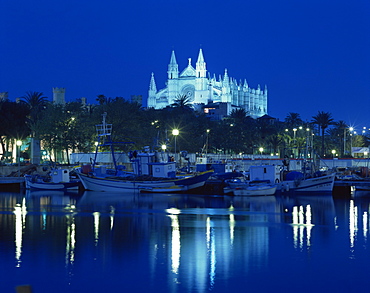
<point>265,172</point>
<point>59,175</point>
<point>205,164</point>
<point>150,164</point>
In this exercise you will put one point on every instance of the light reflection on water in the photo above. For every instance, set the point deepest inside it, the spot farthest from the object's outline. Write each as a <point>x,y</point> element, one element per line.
<point>95,242</point>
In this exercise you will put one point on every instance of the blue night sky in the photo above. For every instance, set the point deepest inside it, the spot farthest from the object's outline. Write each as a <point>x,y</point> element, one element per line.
<point>312,55</point>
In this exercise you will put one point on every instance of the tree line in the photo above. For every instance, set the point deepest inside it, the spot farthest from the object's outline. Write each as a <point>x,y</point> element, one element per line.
<point>71,128</point>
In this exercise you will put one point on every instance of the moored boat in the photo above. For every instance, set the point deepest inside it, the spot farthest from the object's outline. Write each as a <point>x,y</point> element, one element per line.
<point>144,183</point>
<point>251,188</point>
<point>58,179</point>
<point>294,181</point>
<point>321,184</point>
<point>152,171</point>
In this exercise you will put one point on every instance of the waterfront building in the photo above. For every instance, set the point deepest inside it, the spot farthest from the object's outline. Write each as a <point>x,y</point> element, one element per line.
<point>203,89</point>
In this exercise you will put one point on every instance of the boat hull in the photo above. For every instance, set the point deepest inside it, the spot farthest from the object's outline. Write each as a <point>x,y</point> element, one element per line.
<point>168,185</point>
<point>255,192</point>
<point>319,184</point>
<point>42,185</point>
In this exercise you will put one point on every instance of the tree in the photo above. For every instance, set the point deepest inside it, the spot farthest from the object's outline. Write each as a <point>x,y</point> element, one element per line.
<point>323,120</point>
<point>183,102</point>
<point>103,100</point>
<point>340,131</point>
<point>293,120</point>
<point>13,123</point>
<point>36,103</point>
<point>238,115</point>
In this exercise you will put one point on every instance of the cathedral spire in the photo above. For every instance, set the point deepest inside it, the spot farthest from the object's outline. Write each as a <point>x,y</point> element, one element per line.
<point>173,68</point>
<point>226,78</point>
<point>151,103</point>
<point>152,86</point>
<point>201,65</point>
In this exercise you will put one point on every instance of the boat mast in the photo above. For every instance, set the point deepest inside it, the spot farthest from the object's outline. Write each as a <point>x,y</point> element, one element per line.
<point>104,132</point>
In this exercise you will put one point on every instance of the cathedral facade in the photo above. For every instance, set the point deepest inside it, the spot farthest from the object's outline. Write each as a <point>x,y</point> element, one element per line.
<point>202,89</point>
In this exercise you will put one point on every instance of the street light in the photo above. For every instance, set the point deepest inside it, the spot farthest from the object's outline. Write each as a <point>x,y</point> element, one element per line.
<point>261,150</point>
<point>19,143</point>
<point>333,152</point>
<point>351,130</point>
<point>294,134</point>
<point>207,141</point>
<point>175,132</point>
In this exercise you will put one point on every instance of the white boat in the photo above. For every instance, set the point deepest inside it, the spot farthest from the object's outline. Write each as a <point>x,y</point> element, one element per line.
<point>293,182</point>
<point>320,184</point>
<point>152,172</point>
<point>58,179</point>
<point>144,184</point>
<point>251,188</point>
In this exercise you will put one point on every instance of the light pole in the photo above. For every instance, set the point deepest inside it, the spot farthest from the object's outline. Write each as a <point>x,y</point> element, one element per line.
<point>175,132</point>
<point>333,152</point>
<point>19,143</point>
<point>261,151</point>
<point>351,130</point>
<point>207,142</point>
<point>344,141</point>
<point>164,157</point>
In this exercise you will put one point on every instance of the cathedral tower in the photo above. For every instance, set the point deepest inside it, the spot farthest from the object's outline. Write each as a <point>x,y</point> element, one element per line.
<point>173,67</point>
<point>152,92</point>
<point>173,75</point>
<point>201,82</point>
<point>59,95</point>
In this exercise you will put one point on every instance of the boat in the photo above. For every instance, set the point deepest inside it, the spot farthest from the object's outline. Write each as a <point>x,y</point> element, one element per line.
<point>251,188</point>
<point>152,171</point>
<point>293,181</point>
<point>144,183</point>
<point>57,179</point>
<point>321,184</point>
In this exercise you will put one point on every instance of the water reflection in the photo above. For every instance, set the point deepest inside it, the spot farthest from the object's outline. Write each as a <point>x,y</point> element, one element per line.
<point>181,242</point>
<point>20,212</point>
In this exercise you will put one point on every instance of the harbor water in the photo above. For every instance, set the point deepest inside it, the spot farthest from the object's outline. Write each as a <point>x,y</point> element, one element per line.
<point>100,242</point>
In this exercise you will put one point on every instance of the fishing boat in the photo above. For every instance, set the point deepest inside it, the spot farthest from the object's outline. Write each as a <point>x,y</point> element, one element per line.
<point>321,184</point>
<point>152,171</point>
<point>251,188</point>
<point>144,183</point>
<point>293,181</point>
<point>57,179</point>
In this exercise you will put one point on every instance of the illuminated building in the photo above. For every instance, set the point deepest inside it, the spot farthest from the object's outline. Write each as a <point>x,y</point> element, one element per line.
<point>202,89</point>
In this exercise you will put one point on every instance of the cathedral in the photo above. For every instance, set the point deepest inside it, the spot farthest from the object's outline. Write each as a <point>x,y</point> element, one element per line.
<point>202,89</point>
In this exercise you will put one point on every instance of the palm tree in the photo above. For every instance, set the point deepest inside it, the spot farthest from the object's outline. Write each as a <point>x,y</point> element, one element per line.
<point>13,125</point>
<point>238,115</point>
<point>293,119</point>
<point>36,102</point>
<point>323,120</point>
<point>182,101</point>
<point>103,100</point>
<point>342,129</point>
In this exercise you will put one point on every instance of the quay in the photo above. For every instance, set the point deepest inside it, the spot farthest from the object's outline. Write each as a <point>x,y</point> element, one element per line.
<point>362,183</point>
<point>12,182</point>
<point>9,175</point>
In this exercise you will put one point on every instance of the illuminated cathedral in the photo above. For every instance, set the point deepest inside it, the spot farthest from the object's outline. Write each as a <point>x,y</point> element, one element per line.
<point>202,89</point>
